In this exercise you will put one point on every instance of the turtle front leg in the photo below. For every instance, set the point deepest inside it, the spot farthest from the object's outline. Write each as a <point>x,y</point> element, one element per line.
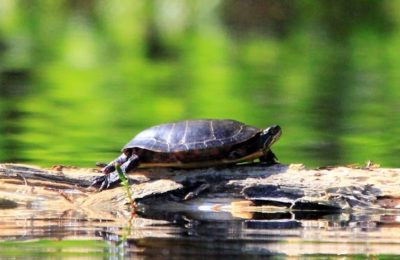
<point>111,166</point>
<point>269,158</point>
<point>110,176</point>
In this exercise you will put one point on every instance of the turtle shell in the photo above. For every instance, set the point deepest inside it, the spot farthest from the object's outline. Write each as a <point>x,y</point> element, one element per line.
<point>192,135</point>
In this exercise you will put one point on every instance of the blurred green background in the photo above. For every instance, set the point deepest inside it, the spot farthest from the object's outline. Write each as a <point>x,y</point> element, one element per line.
<point>78,79</point>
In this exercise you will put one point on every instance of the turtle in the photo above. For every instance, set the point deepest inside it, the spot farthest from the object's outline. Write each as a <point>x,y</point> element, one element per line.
<point>193,144</point>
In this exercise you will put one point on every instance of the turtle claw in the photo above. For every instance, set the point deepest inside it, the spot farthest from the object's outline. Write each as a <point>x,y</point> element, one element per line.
<point>104,182</point>
<point>99,180</point>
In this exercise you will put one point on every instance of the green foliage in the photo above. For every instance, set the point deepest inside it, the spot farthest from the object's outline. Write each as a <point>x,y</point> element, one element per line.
<point>125,183</point>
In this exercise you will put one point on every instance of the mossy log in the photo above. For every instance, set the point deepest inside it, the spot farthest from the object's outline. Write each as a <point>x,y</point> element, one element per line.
<point>239,188</point>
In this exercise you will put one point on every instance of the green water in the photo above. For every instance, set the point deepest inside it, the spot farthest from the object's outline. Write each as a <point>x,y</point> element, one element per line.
<point>78,79</point>
<point>40,249</point>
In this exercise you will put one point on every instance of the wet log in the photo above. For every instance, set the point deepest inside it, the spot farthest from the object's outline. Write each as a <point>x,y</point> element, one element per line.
<point>249,187</point>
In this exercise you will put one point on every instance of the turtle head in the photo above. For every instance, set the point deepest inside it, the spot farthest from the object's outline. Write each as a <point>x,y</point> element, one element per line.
<point>270,135</point>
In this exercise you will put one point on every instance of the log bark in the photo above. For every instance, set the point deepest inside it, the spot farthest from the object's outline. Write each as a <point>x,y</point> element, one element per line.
<point>239,188</point>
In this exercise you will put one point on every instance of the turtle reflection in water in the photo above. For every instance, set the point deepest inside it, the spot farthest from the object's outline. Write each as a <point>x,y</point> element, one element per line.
<point>193,144</point>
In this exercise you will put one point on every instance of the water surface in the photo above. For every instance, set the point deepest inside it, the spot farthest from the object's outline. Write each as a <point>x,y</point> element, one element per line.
<point>40,233</point>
